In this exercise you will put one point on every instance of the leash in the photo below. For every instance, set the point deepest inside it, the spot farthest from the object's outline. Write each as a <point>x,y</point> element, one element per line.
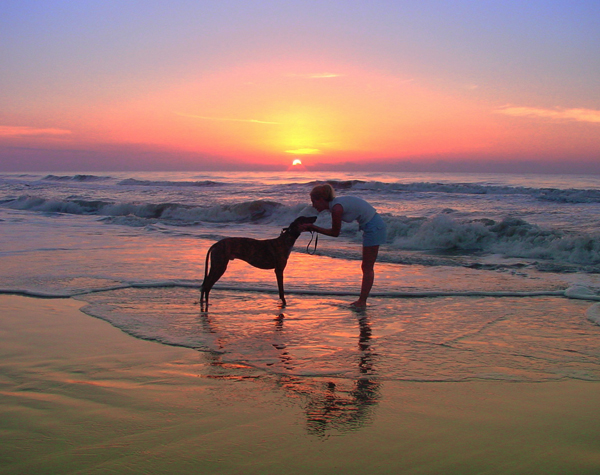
<point>312,235</point>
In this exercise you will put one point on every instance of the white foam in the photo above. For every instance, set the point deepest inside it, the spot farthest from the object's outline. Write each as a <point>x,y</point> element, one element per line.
<point>593,313</point>
<point>581,293</point>
<point>36,293</point>
<point>510,238</point>
<point>292,291</point>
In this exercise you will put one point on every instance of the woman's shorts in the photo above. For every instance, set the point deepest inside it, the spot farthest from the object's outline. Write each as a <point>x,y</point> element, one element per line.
<point>374,232</point>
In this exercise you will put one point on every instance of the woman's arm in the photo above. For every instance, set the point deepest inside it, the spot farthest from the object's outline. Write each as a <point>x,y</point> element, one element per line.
<point>336,223</point>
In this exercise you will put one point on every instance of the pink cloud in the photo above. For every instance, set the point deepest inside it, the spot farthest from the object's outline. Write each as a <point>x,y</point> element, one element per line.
<point>11,131</point>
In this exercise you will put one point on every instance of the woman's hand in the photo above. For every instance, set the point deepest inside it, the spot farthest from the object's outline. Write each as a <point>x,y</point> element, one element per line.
<point>306,227</point>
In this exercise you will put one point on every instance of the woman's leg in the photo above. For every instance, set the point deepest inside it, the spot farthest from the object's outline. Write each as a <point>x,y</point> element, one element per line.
<point>368,263</point>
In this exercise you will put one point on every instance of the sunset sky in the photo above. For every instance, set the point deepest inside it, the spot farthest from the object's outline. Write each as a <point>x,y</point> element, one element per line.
<point>352,85</point>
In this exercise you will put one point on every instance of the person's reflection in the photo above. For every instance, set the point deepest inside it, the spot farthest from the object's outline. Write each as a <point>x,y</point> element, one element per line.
<point>340,404</point>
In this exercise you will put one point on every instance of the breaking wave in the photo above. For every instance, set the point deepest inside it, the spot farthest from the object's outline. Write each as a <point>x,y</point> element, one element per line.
<point>555,250</point>
<point>511,237</point>
<point>171,213</point>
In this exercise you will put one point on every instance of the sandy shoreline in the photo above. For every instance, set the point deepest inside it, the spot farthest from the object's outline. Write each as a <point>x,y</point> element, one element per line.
<point>79,396</point>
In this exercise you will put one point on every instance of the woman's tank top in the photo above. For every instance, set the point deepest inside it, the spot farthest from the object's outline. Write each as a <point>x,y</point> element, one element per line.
<point>355,209</point>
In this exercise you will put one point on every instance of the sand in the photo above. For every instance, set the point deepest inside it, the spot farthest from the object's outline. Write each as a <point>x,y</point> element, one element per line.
<point>79,396</point>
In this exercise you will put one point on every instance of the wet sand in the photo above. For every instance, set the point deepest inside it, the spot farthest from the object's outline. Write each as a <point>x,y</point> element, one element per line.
<point>79,396</point>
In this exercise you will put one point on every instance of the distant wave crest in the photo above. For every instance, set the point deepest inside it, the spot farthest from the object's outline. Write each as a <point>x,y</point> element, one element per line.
<point>136,182</point>
<point>79,178</point>
<point>546,194</point>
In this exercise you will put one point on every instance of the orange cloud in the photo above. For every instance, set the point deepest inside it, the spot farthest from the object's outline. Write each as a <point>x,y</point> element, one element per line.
<point>578,115</point>
<point>316,75</point>
<point>221,119</point>
<point>304,151</point>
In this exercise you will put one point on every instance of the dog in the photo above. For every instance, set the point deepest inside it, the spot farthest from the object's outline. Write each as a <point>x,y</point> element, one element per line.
<point>263,254</point>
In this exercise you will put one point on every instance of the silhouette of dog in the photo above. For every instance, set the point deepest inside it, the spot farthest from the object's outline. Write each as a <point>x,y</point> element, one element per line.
<point>263,253</point>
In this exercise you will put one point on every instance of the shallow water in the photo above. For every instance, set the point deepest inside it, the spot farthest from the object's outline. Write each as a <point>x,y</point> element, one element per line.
<point>473,283</point>
<point>415,339</point>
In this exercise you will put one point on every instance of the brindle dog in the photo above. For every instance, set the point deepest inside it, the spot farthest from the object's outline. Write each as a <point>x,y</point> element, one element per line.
<point>264,254</point>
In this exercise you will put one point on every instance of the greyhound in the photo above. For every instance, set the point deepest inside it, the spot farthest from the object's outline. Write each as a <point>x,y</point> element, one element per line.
<point>264,254</point>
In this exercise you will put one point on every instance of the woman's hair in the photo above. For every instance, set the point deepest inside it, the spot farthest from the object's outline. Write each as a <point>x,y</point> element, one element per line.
<point>325,192</point>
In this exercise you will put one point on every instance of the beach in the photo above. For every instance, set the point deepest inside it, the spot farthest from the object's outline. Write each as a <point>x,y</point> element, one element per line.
<point>80,396</point>
<point>477,353</point>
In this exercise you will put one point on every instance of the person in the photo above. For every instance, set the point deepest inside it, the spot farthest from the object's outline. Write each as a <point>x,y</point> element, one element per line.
<point>349,209</point>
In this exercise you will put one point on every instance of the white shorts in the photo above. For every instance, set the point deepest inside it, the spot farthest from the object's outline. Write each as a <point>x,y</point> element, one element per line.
<point>374,232</point>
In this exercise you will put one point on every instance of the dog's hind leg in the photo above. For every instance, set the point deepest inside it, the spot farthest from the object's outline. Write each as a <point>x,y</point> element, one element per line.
<point>217,269</point>
<point>279,275</point>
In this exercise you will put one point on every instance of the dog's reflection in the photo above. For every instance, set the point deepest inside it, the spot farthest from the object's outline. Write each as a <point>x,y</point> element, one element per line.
<point>330,404</point>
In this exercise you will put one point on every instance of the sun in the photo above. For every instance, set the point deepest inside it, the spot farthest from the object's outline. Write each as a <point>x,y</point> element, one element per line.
<point>297,166</point>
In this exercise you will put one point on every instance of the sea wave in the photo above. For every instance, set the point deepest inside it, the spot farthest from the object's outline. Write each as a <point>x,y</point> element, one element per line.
<point>160,183</point>
<point>511,237</point>
<point>558,250</point>
<point>181,214</point>
<point>571,195</point>
<point>78,178</point>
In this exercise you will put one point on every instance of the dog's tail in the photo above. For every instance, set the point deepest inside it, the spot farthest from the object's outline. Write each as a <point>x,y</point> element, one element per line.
<point>206,262</point>
<point>205,273</point>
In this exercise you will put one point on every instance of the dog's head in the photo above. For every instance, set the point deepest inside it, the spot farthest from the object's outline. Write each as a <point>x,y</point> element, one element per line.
<point>294,228</point>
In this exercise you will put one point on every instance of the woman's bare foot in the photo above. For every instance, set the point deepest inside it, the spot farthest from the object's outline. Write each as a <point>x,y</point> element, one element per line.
<point>359,304</point>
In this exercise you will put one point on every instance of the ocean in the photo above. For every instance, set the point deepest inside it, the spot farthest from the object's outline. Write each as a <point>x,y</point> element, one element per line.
<point>483,277</point>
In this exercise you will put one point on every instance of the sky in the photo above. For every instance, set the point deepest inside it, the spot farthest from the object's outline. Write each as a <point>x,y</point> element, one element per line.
<point>461,85</point>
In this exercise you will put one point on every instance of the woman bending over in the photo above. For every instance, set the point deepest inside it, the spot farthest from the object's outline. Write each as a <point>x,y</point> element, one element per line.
<point>349,209</point>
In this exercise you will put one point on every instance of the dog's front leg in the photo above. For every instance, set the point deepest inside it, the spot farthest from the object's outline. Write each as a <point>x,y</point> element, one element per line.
<point>279,275</point>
